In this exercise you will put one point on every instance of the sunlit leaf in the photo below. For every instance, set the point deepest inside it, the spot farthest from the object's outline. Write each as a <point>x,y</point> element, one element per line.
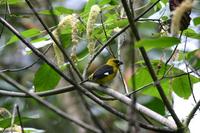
<point>103,2</point>
<point>26,34</point>
<point>179,84</point>
<point>89,4</point>
<point>63,10</point>
<point>48,12</point>
<point>191,33</point>
<point>196,21</point>
<point>162,42</point>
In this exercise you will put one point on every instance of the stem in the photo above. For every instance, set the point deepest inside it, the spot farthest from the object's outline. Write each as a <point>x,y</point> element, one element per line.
<point>126,100</point>
<point>48,105</point>
<point>149,66</point>
<point>54,39</point>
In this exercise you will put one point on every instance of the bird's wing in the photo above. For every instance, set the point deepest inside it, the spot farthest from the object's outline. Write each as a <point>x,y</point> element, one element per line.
<point>103,71</point>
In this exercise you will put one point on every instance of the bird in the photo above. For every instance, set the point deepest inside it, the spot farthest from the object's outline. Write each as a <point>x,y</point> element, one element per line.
<point>106,72</point>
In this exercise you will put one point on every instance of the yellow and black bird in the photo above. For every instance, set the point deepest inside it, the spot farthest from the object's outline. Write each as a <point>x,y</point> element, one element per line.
<point>106,72</point>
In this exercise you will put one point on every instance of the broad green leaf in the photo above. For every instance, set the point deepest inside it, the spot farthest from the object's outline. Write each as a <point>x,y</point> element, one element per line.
<point>191,33</point>
<point>162,42</point>
<point>89,4</point>
<point>5,123</point>
<point>103,2</point>
<point>181,85</point>
<point>196,21</point>
<point>26,34</point>
<point>48,12</point>
<point>10,2</point>
<point>143,78</point>
<point>45,78</point>
<point>153,103</point>
<point>114,2</point>
<point>193,58</point>
<point>63,10</point>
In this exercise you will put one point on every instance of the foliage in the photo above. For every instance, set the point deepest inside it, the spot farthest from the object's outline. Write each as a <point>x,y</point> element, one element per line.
<point>112,18</point>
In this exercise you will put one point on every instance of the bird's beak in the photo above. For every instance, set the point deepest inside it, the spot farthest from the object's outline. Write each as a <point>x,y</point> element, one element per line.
<point>120,63</point>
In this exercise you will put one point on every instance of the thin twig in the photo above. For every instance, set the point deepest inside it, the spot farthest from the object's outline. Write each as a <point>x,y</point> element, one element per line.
<point>126,100</point>
<point>140,89</point>
<point>174,51</point>
<point>188,75</point>
<point>41,94</point>
<point>93,117</point>
<point>87,106</point>
<point>48,105</point>
<point>54,39</point>
<point>119,33</point>
<point>132,125</point>
<point>25,67</point>
<point>192,113</point>
<point>19,116</point>
<point>5,16</point>
<point>83,90</point>
<point>150,68</point>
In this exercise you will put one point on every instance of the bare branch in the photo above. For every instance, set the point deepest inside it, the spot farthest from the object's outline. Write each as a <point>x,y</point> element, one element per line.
<point>54,39</point>
<point>42,94</point>
<point>126,100</point>
<point>48,105</point>
<point>149,66</point>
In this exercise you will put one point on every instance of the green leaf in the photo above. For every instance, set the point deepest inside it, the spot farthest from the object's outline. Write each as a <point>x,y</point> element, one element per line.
<point>181,85</point>
<point>26,34</point>
<point>11,2</point>
<point>63,10</point>
<point>143,78</point>
<point>39,40</point>
<point>48,12</point>
<point>191,33</point>
<point>5,123</point>
<point>152,103</point>
<point>103,2</point>
<point>162,42</point>
<point>196,21</point>
<point>89,4</point>
<point>45,78</point>
<point>193,58</point>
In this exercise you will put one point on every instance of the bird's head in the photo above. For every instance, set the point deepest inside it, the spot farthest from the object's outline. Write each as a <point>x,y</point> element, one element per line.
<point>114,62</point>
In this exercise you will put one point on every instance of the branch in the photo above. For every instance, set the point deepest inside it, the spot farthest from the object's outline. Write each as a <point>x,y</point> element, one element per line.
<point>76,86</point>
<point>124,99</point>
<point>54,39</point>
<point>118,33</point>
<point>191,114</point>
<point>48,105</point>
<point>41,94</point>
<point>149,66</point>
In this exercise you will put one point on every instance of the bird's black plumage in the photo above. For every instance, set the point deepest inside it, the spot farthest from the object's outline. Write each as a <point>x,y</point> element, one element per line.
<point>103,71</point>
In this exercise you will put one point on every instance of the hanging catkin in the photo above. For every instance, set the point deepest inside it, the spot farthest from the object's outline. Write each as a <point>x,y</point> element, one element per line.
<point>94,12</point>
<point>74,25</point>
<point>62,25</point>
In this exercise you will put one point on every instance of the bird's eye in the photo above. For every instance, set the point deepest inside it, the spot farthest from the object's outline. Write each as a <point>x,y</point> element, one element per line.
<point>116,61</point>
